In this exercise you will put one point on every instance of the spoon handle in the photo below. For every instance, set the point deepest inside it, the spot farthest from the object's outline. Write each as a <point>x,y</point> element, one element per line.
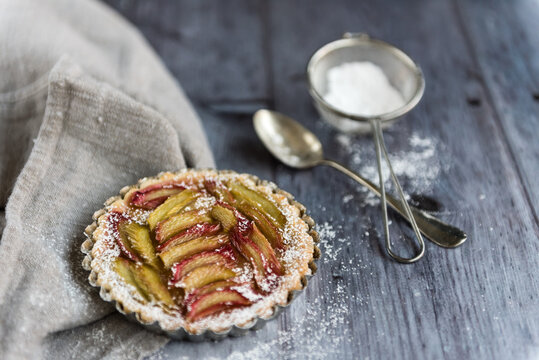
<point>434,229</point>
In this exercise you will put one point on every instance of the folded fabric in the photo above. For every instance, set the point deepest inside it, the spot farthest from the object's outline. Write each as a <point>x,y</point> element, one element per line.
<point>85,108</point>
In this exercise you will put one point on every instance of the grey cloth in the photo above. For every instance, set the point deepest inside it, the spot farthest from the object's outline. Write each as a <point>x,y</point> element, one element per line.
<point>85,108</point>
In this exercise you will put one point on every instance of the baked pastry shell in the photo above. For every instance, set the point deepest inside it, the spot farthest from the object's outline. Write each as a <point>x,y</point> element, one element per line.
<point>181,333</point>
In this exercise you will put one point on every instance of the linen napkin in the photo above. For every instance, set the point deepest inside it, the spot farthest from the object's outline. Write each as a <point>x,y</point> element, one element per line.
<point>85,108</point>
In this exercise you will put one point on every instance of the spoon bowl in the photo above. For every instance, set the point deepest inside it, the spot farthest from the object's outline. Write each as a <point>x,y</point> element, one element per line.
<point>288,140</point>
<point>297,147</point>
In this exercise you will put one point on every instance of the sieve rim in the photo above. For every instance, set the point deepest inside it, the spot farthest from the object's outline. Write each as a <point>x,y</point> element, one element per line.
<point>354,39</point>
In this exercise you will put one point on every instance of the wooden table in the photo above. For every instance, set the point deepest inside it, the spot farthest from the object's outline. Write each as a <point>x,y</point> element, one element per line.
<point>470,152</point>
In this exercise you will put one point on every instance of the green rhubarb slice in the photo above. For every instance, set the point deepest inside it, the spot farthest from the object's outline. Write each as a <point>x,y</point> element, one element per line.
<point>225,216</point>
<point>259,201</point>
<point>179,222</point>
<point>191,247</point>
<point>262,222</point>
<point>206,274</point>
<point>125,269</point>
<point>150,281</point>
<point>171,206</point>
<point>140,241</point>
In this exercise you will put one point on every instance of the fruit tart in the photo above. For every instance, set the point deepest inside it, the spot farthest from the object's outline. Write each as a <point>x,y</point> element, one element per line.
<point>201,253</point>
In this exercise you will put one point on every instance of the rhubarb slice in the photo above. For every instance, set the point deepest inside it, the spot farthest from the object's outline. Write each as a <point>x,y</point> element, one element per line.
<point>222,256</point>
<point>225,216</point>
<point>125,269</point>
<point>138,237</point>
<point>188,248</point>
<point>179,222</point>
<point>116,220</point>
<point>218,190</point>
<point>265,248</point>
<point>150,282</point>
<point>215,302</point>
<point>206,289</point>
<point>259,201</point>
<point>172,206</point>
<point>206,274</point>
<point>152,196</point>
<point>263,223</point>
<point>199,230</point>
<point>265,271</point>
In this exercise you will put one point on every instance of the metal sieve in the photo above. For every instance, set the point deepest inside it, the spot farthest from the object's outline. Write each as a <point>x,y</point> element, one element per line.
<point>403,73</point>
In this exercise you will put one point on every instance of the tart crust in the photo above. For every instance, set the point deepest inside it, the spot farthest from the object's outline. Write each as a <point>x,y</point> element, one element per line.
<point>298,259</point>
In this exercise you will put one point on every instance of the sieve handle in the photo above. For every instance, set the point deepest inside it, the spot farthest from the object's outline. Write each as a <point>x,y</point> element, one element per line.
<point>434,229</point>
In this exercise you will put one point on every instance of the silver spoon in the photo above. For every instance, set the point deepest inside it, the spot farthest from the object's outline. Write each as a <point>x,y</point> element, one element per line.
<point>299,148</point>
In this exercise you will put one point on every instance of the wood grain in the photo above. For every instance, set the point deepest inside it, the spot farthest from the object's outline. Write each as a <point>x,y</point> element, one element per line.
<point>479,301</point>
<point>509,64</point>
<point>189,37</point>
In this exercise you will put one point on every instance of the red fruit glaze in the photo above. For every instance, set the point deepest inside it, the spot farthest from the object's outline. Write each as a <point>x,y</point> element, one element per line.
<point>218,190</point>
<point>154,195</point>
<point>244,225</point>
<point>265,270</point>
<point>214,302</point>
<point>224,255</point>
<point>199,230</point>
<point>193,295</point>
<point>115,219</point>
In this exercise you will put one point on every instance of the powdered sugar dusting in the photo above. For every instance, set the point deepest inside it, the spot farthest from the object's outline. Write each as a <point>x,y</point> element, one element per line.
<point>327,237</point>
<point>322,312</point>
<point>347,198</point>
<point>418,167</point>
<point>295,259</point>
<point>326,315</point>
<point>361,88</point>
<point>204,202</point>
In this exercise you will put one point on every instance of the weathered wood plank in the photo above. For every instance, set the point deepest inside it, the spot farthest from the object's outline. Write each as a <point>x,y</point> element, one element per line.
<point>214,48</point>
<point>503,40</point>
<point>466,299</point>
<point>477,301</point>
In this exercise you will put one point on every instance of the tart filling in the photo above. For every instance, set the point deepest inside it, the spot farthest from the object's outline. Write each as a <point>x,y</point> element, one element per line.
<point>201,250</point>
